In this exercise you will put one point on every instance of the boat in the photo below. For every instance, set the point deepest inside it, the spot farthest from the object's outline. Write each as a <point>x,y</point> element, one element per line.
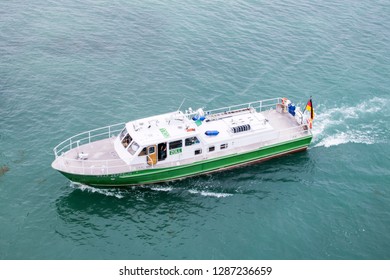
<point>179,144</point>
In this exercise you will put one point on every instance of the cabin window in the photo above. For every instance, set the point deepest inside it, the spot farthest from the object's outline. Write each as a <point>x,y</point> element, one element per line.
<point>224,146</point>
<point>175,147</point>
<point>176,144</point>
<point>123,133</point>
<point>143,152</point>
<point>198,151</point>
<point>191,141</point>
<point>126,140</point>
<point>212,149</point>
<point>151,150</point>
<point>133,148</point>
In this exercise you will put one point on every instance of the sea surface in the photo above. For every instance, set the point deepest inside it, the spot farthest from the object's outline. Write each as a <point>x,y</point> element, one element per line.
<point>71,66</point>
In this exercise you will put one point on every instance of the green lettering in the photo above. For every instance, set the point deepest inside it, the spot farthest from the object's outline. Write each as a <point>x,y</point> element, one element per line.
<point>175,151</point>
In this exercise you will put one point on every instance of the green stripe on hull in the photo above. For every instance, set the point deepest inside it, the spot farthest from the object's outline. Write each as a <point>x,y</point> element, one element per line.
<point>154,175</point>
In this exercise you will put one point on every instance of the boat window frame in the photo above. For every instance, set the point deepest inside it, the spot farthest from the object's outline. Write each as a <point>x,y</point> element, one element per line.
<point>211,149</point>
<point>191,141</point>
<point>223,146</point>
<point>142,152</point>
<point>126,141</point>
<point>131,150</point>
<point>198,152</point>
<point>175,144</point>
<point>150,148</point>
<point>123,133</point>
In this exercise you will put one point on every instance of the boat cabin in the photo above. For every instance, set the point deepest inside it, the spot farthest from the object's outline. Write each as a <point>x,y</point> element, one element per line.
<point>173,138</point>
<point>153,140</point>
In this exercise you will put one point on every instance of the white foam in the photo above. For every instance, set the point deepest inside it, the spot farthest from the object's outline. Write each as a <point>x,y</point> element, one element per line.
<point>212,194</point>
<point>349,124</point>
<point>90,189</point>
<point>343,138</point>
<point>162,189</point>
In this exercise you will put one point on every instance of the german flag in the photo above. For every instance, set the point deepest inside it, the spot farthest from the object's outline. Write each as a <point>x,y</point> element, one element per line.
<point>309,107</point>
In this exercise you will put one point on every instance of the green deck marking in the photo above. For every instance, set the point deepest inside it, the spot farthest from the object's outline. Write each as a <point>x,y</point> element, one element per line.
<point>164,132</point>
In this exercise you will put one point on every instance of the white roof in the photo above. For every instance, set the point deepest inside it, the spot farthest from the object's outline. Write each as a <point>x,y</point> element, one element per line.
<point>224,125</point>
<point>161,128</point>
<point>176,125</point>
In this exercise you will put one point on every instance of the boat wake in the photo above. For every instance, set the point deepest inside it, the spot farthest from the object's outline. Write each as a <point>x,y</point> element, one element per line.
<point>121,193</point>
<point>208,193</point>
<point>107,192</point>
<point>212,194</point>
<point>363,123</point>
<point>162,189</point>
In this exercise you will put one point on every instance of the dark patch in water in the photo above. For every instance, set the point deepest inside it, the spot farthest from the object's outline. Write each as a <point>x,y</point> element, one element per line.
<point>21,157</point>
<point>3,170</point>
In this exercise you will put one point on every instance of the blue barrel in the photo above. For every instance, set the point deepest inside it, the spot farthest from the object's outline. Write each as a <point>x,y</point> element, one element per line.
<point>201,118</point>
<point>291,109</point>
<point>212,132</point>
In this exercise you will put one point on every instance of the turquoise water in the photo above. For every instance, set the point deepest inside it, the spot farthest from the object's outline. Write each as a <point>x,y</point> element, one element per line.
<point>71,66</point>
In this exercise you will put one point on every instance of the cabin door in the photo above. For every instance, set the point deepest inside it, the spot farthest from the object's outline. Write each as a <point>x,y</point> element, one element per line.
<point>152,155</point>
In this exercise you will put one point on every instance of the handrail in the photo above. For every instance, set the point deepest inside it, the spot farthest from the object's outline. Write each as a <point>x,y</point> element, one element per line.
<point>249,104</point>
<point>86,137</point>
<point>260,105</point>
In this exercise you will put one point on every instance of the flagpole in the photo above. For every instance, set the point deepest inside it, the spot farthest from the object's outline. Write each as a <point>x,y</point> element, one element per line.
<point>306,105</point>
<point>311,109</point>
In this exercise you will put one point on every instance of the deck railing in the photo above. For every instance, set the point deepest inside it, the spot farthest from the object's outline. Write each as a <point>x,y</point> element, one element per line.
<point>94,167</point>
<point>259,106</point>
<point>294,132</point>
<point>87,137</point>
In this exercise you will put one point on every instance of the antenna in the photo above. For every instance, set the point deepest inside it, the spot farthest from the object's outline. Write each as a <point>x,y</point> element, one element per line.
<point>178,109</point>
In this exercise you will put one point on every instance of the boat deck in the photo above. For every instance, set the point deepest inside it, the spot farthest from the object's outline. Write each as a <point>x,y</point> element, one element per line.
<point>95,158</point>
<point>285,123</point>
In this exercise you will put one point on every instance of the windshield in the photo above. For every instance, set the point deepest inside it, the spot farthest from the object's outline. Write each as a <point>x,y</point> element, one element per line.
<point>133,148</point>
<point>123,133</point>
<point>126,140</point>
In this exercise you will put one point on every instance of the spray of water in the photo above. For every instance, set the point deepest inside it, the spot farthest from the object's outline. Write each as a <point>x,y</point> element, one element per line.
<point>106,192</point>
<point>212,194</point>
<point>361,123</point>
